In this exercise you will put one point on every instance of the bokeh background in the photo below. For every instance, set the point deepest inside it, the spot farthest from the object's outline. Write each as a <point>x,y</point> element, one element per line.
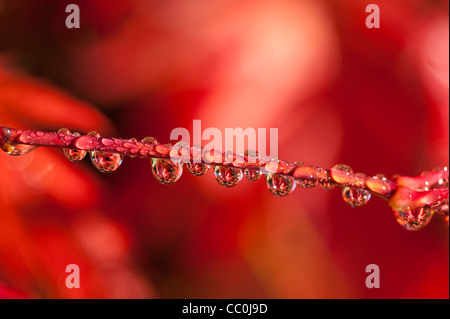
<point>375,99</point>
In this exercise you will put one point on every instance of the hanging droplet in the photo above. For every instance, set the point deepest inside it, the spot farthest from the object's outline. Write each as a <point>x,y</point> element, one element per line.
<point>13,148</point>
<point>280,185</point>
<point>252,174</point>
<point>106,162</point>
<point>165,171</point>
<point>355,197</point>
<point>305,183</point>
<point>197,169</point>
<point>414,219</point>
<point>325,180</point>
<point>327,185</point>
<point>73,155</point>
<point>227,176</point>
<point>341,173</point>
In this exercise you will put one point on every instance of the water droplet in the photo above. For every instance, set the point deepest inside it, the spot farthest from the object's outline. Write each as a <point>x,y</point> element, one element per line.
<point>63,131</point>
<point>165,171</point>
<point>280,185</point>
<point>304,183</point>
<point>150,140</point>
<point>87,142</point>
<point>19,149</point>
<point>197,169</point>
<point>341,173</point>
<point>381,177</point>
<point>286,167</point>
<point>229,157</point>
<point>106,162</point>
<point>378,184</point>
<point>180,152</point>
<point>272,166</point>
<point>252,156</point>
<point>227,176</point>
<point>305,176</point>
<point>143,152</point>
<point>107,141</point>
<point>73,155</point>
<point>414,219</point>
<point>133,152</point>
<point>212,156</point>
<point>252,174</point>
<point>132,149</point>
<point>239,161</point>
<point>342,167</point>
<point>94,134</point>
<point>355,197</point>
<point>163,149</point>
<point>13,148</point>
<point>325,180</point>
<point>196,152</point>
<point>359,179</point>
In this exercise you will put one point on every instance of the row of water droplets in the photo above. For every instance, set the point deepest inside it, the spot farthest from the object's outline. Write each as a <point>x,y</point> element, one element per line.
<point>167,171</point>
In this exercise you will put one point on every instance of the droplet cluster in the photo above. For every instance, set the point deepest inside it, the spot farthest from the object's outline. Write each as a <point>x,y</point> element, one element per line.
<point>414,200</point>
<point>73,155</point>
